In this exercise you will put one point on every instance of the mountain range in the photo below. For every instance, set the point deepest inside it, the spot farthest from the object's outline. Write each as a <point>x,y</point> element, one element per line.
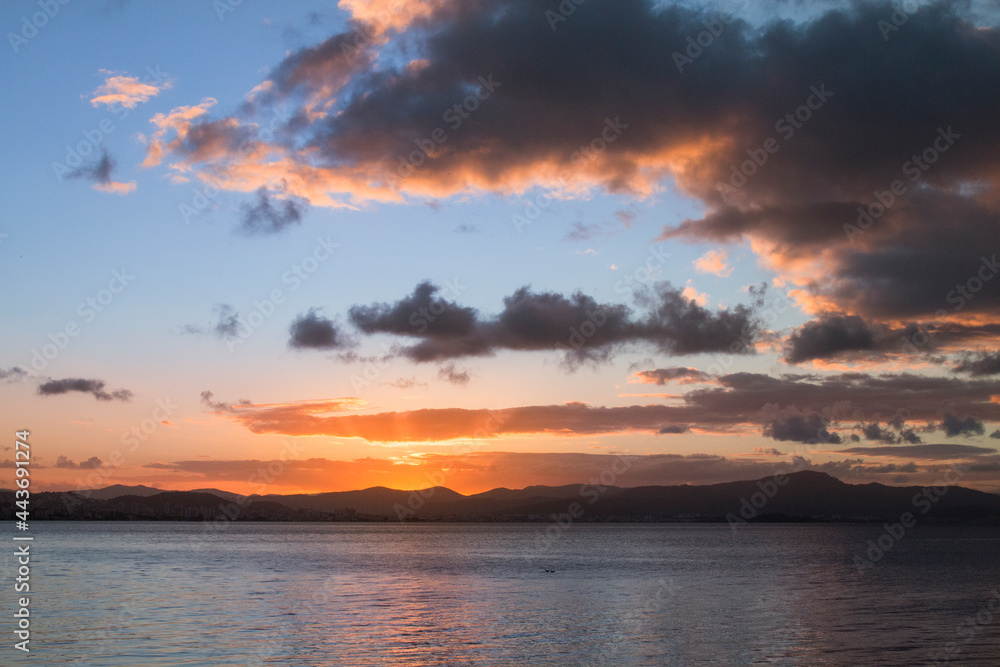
<point>800,496</point>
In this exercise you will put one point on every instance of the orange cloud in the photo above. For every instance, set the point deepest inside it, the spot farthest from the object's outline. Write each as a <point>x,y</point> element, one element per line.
<point>115,187</point>
<point>127,91</point>
<point>383,15</point>
<point>691,294</point>
<point>441,424</point>
<point>714,261</point>
<point>179,121</point>
<point>678,374</point>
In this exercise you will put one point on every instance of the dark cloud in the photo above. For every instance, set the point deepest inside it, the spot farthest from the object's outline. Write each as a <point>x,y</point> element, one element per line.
<point>586,330</point>
<point>834,336</point>
<point>953,425</point>
<point>798,426</point>
<point>220,406</point>
<point>320,70</point>
<point>622,221</point>
<point>438,321</point>
<point>995,434</point>
<point>768,451</point>
<point>406,383</point>
<point>674,429</point>
<point>13,374</point>
<point>583,232</point>
<point>604,62</point>
<point>857,396</point>
<point>829,84</point>
<point>986,363</point>
<point>910,467</point>
<point>98,171</point>
<point>449,373</point>
<point>681,374</point>
<point>993,466</point>
<point>92,387</point>
<point>795,408</point>
<point>227,324</point>
<point>922,451</point>
<point>893,433</point>
<point>270,216</point>
<point>92,462</point>
<point>922,268</point>
<point>313,331</point>
<point>873,431</point>
<point>678,325</point>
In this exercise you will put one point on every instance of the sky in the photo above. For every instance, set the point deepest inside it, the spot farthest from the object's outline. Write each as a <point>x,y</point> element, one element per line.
<point>300,247</point>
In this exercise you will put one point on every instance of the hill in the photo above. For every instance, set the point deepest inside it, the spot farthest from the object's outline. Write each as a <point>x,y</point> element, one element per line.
<point>800,496</point>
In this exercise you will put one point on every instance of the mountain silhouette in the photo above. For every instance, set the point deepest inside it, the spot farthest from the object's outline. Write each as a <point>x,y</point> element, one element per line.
<point>800,496</point>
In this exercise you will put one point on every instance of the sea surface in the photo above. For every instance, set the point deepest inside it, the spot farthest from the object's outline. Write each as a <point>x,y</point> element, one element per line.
<point>116,593</point>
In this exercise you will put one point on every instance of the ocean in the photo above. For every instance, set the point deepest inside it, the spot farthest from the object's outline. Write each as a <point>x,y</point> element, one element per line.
<point>159,593</point>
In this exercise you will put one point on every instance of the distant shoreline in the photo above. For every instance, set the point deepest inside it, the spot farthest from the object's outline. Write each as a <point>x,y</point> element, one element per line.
<point>804,497</point>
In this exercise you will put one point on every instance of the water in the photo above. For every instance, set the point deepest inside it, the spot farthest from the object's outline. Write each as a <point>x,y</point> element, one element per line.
<point>461,594</point>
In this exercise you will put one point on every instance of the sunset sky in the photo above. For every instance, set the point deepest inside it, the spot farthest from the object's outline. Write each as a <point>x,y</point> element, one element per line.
<point>278,247</point>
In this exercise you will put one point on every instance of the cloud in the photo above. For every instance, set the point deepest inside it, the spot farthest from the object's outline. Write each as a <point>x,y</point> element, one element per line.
<point>944,452</point>
<point>352,134</point>
<point>851,336</point>
<point>313,331</point>
<point>353,127</point>
<point>893,433</point>
<point>794,408</point>
<point>662,376</point>
<point>228,325</point>
<point>477,472</point>
<point>798,426</point>
<point>420,314</point>
<point>768,451</point>
<point>100,173</point>
<point>714,261</point>
<point>269,217</point>
<point>13,374</point>
<point>92,462</point>
<point>222,407</point>
<point>406,383</point>
<point>178,121</point>
<point>586,330</point>
<point>512,102</point>
<point>953,425</point>
<point>582,232</point>
<point>447,423</point>
<point>986,363</point>
<point>115,187</point>
<point>127,91</point>
<point>846,395</point>
<point>674,429</point>
<point>887,468</point>
<point>693,295</point>
<point>92,387</point>
<point>449,373</point>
